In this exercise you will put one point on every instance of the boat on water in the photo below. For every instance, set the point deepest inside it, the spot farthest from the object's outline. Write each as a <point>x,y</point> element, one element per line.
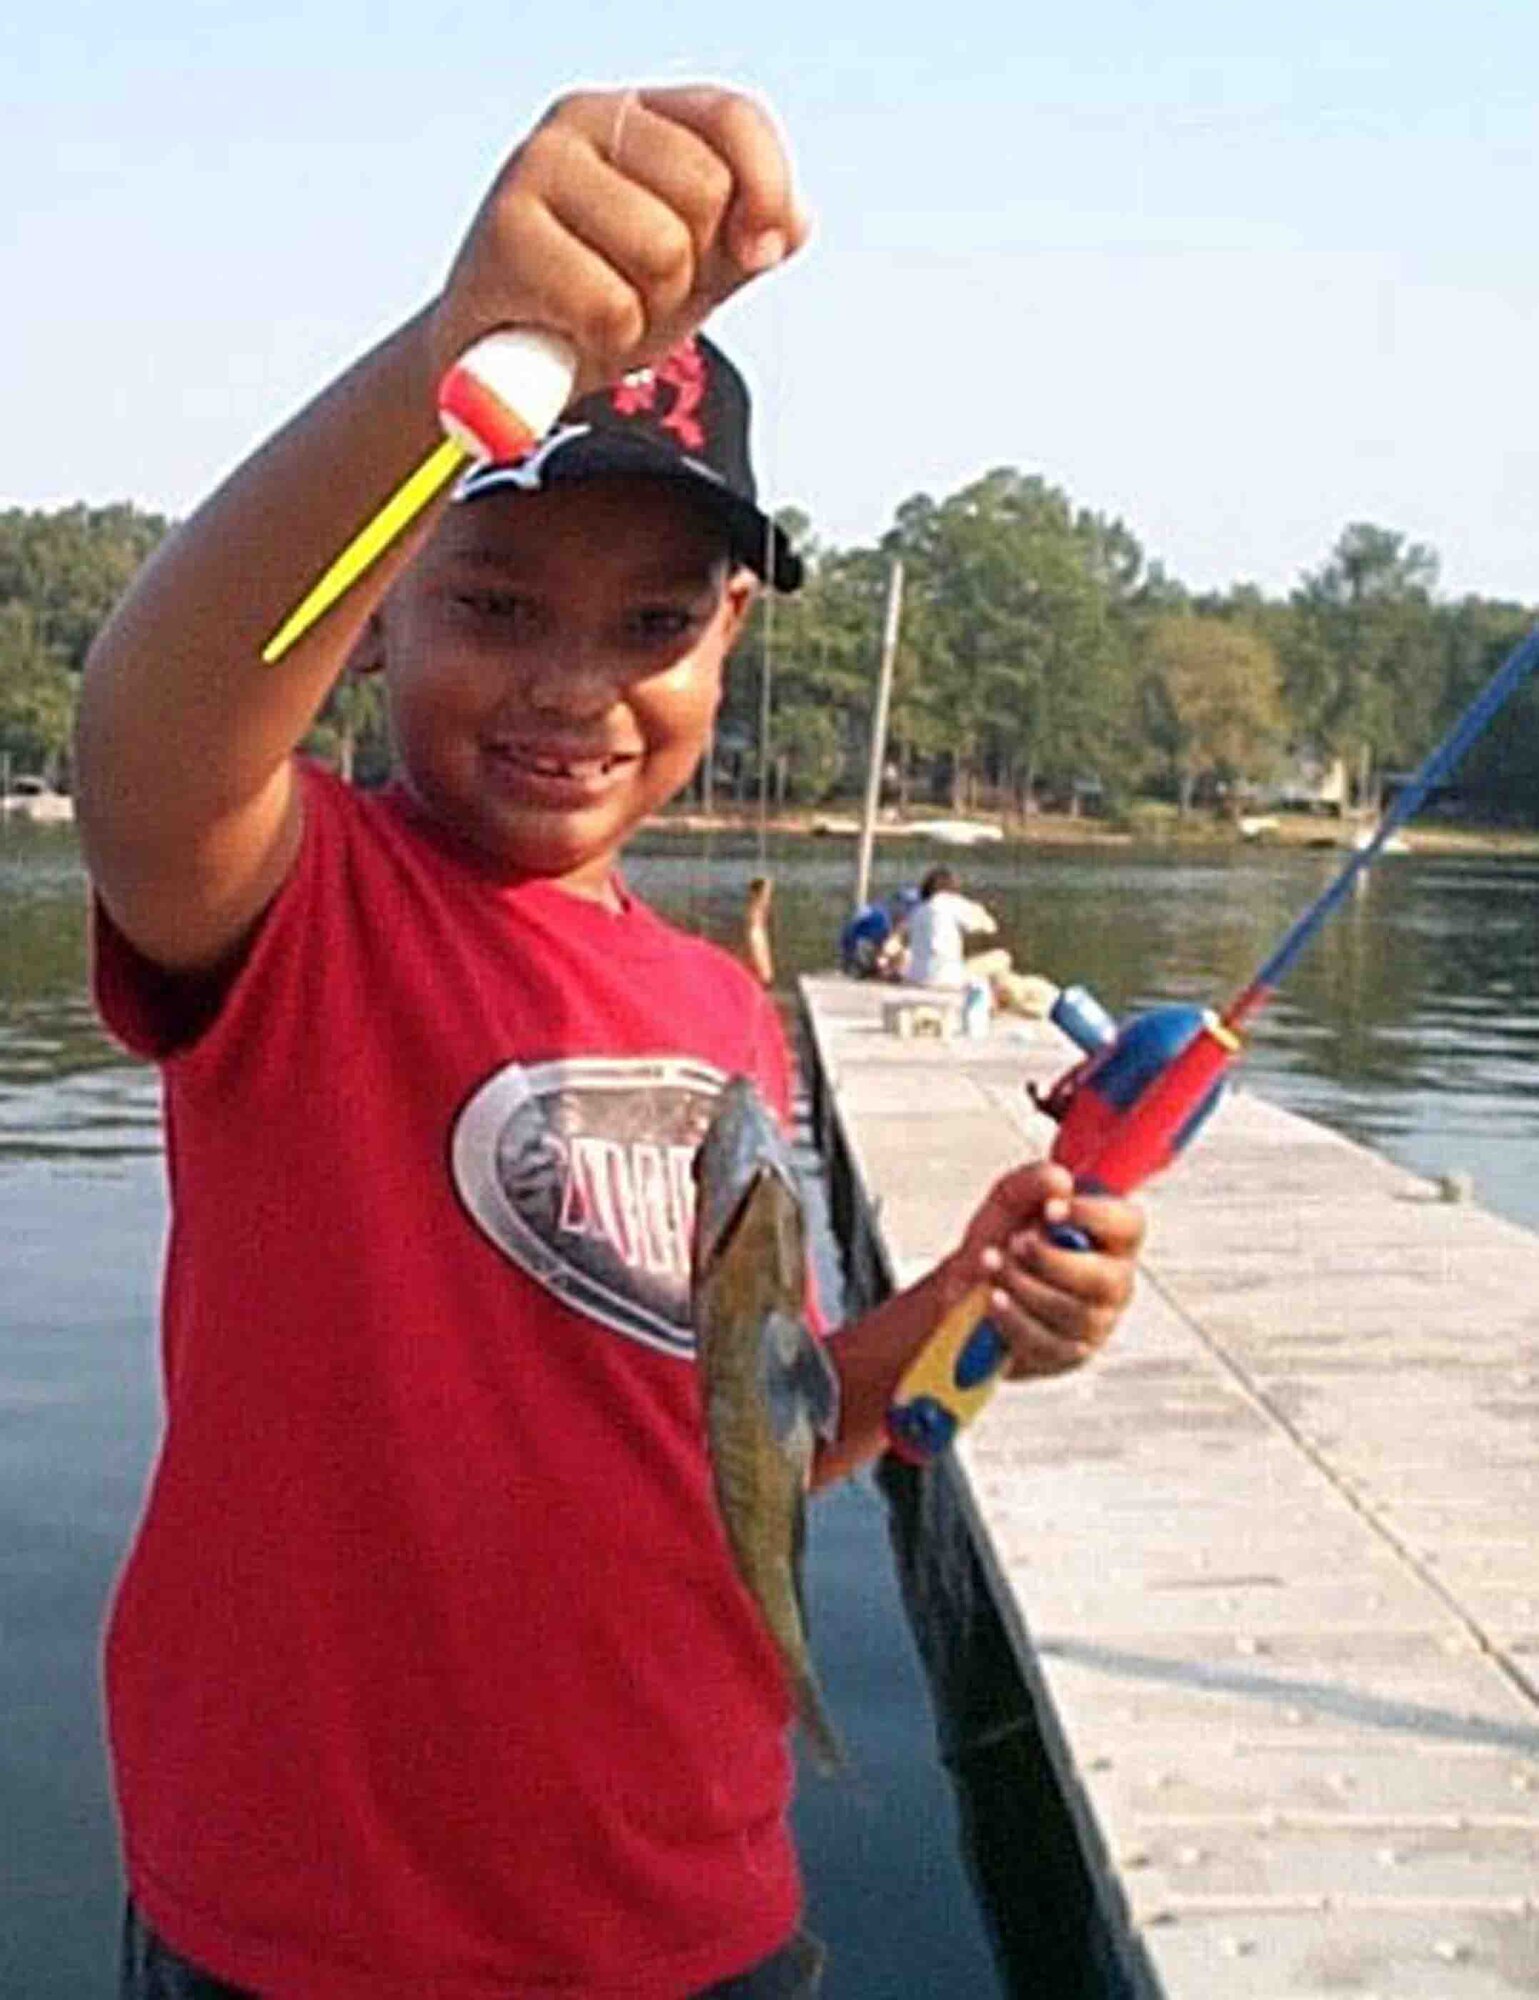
<point>36,800</point>
<point>1264,827</point>
<point>949,832</point>
<point>954,832</point>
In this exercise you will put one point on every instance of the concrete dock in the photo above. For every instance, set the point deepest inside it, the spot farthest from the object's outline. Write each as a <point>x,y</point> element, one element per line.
<point>1270,1566</point>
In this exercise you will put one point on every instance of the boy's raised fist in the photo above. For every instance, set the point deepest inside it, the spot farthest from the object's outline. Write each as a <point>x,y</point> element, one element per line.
<point>622,221</point>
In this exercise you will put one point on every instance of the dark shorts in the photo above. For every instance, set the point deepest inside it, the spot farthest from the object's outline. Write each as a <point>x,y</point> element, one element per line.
<point>152,1971</point>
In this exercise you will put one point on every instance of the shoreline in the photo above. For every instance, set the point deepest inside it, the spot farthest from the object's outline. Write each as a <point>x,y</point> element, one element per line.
<point>1300,830</point>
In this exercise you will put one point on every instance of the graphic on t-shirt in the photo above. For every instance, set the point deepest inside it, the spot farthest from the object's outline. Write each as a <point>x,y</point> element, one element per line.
<point>581,1172</point>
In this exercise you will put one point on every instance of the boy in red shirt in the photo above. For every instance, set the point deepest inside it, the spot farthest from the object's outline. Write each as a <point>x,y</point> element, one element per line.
<point>428,1673</point>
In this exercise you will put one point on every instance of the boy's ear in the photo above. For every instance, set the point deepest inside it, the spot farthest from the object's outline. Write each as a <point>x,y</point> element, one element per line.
<point>741,588</point>
<point>368,654</point>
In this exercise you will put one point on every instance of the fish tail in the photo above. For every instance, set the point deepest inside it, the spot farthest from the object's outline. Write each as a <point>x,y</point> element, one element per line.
<point>825,1751</point>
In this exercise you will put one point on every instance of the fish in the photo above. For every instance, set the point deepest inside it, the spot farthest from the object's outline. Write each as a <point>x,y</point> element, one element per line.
<point>768,1389</point>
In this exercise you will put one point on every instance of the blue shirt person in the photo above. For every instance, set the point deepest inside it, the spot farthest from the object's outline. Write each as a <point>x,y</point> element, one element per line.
<point>864,940</point>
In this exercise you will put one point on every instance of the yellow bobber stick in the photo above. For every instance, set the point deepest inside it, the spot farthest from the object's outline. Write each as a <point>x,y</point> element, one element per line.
<point>496,402</point>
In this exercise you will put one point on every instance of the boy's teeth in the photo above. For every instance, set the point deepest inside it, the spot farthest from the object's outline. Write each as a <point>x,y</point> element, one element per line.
<point>544,765</point>
<point>561,767</point>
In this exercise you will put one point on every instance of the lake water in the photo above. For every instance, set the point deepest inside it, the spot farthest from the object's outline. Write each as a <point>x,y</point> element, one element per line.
<point>1413,1026</point>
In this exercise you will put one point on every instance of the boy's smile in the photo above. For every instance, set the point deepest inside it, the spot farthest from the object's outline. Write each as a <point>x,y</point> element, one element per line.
<point>547,772</point>
<point>553,663</point>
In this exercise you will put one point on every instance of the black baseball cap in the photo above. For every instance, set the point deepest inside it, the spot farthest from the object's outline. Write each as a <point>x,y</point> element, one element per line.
<point>685,419</point>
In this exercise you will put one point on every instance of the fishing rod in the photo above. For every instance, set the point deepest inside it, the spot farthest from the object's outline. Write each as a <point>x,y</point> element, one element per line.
<point>1140,1095</point>
<point>496,402</point>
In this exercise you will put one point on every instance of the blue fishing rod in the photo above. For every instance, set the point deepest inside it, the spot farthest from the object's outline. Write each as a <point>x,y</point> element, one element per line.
<point>1142,1093</point>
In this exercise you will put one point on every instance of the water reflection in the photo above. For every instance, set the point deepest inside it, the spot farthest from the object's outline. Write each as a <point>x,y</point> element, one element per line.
<point>101,1112</point>
<point>65,1089</point>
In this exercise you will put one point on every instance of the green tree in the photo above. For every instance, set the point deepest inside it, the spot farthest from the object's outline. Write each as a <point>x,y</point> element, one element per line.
<point>818,651</point>
<point>1500,776</point>
<point>1015,594</point>
<point>37,694</point>
<point>1216,689</point>
<point>70,566</point>
<point>1363,666</point>
<point>808,754</point>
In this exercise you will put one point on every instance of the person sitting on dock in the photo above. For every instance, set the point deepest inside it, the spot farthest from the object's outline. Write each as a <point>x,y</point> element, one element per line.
<point>937,930</point>
<point>871,943</point>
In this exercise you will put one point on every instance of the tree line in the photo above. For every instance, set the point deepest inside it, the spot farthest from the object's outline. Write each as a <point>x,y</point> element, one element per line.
<point>1043,659</point>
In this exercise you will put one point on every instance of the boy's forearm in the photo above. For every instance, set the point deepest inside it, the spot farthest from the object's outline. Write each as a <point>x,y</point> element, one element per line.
<point>870,1354</point>
<point>180,722</point>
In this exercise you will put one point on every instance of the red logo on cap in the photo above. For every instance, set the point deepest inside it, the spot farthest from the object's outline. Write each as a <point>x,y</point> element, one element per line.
<point>684,372</point>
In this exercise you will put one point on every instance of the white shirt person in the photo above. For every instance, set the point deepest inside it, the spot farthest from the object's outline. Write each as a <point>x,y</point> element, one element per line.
<point>938,931</point>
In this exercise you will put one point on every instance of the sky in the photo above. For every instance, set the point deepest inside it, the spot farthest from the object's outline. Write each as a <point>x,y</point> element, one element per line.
<point>1237,275</point>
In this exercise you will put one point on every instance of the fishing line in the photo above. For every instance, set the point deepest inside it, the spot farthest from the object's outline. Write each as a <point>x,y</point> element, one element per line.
<point>774,492</point>
<point>765,407</point>
<point>766,672</point>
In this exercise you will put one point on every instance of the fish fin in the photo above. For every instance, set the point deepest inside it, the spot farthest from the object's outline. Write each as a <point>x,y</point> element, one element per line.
<point>820,1381</point>
<point>801,1385</point>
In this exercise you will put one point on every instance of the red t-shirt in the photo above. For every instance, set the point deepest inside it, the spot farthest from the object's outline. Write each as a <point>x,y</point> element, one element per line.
<point>428,1673</point>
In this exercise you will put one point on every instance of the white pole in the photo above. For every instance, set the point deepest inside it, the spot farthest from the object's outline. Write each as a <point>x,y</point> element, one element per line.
<point>879,733</point>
